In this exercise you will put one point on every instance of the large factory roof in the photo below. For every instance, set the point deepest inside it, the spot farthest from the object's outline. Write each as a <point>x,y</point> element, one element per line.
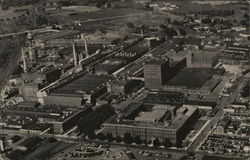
<point>190,78</point>
<point>84,84</point>
<point>153,116</point>
<point>183,114</point>
<point>205,54</point>
<point>130,108</point>
<point>109,65</point>
<point>156,62</point>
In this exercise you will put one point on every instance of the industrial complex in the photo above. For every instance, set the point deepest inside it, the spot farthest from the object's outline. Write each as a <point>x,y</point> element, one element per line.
<point>116,79</point>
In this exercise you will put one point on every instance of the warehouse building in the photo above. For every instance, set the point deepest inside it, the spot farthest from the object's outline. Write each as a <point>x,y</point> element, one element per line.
<point>122,87</point>
<point>74,91</point>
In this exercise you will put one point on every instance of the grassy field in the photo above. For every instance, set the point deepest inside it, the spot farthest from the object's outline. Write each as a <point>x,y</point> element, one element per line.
<point>193,7</point>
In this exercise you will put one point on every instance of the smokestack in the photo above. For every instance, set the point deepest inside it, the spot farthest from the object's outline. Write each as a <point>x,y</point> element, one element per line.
<point>24,61</point>
<point>142,34</point>
<point>85,44</point>
<point>74,54</point>
<point>31,56</point>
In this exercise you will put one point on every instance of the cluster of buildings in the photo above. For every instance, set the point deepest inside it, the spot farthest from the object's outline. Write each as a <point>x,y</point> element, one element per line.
<point>29,117</point>
<point>58,89</point>
<point>192,75</point>
<point>162,121</point>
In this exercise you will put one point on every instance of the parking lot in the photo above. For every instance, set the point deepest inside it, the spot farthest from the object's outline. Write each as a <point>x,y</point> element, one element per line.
<point>227,144</point>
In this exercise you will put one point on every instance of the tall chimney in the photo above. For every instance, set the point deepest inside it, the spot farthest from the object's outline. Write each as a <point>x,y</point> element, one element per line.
<point>31,54</point>
<point>142,34</point>
<point>74,54</point>
<point>85,44</point>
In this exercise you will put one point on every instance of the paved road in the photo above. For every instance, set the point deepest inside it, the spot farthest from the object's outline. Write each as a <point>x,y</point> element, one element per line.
<point>112,18</point>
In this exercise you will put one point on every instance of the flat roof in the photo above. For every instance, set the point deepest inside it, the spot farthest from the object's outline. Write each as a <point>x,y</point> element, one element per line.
<point>156,62</point>
<point>159,98</point>
<point>168,45</point>
<point>130,108</point>
<point>84,84</point>
<point>174,124</point>
<point>205,53</point>
<point>109,65</point>
<point>190,78</point>
<point>152,116</point>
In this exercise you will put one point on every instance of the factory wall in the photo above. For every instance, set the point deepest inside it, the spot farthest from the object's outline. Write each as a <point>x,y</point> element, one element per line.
<point>63,100</point>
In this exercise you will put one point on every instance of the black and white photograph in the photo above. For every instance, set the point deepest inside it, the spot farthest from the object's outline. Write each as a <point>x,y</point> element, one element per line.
<point>124,80</point>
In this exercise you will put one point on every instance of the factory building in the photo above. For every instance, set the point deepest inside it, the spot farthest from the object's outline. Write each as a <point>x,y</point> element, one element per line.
<point>202,59</point>
<point>74,91</point>
<point>68,120</point>
<point>122,87</point>
<point>62,118</point>
<point>33,82</point>
<point>155,73</point>
<point>153,123</point>
<point>153,42</point>
<point>29,90</point>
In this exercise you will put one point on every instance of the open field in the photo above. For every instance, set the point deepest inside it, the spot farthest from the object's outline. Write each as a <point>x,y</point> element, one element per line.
<point>82,8</point>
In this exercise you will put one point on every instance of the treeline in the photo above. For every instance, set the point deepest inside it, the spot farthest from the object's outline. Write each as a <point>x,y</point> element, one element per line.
<point>212,13</point>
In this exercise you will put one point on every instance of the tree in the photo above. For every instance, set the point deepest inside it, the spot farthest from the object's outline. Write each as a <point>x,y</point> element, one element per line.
<point>100,3</point>
<point>101,136</point>
<point>182,32</point>
<point>91,136</point>
<point>167,143</point>
<point>118,139</point>
<point>170,32</point>
<point>127,138</point>
<point>137,140</point>
<point>206,21</point>
<point>145,142</point>
<point>130,25</point>
<point>245,91</point>
<point>246,16</point>
<point>156,142</point>
<point>178,144</point>
<point>109,137</point>
<point>244,22</point>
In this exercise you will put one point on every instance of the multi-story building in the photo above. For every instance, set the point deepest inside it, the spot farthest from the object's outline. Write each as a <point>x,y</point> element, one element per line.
<point>68,120</point>
<point>149,124</point>
<point>74,91</point>
<point>29,90</point>
<point>202,59</point>
<point>155,73</point>
<point>122,87</point>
